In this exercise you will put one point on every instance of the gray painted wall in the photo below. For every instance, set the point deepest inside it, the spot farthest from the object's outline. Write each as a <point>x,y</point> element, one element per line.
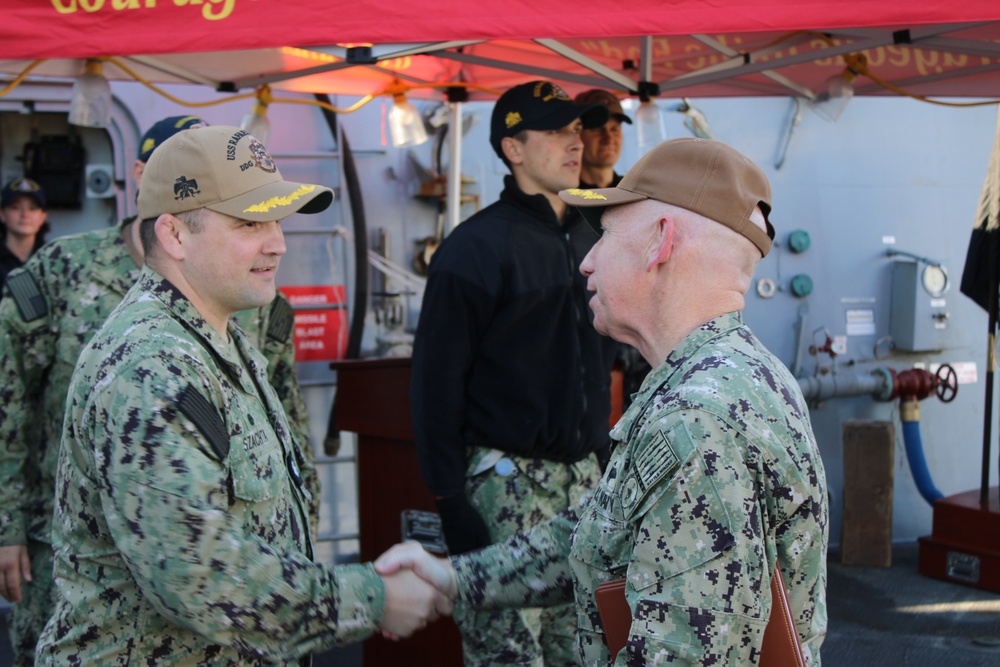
<point>891,173</point>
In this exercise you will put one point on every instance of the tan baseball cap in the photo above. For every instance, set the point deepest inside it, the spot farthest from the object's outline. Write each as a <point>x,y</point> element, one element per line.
<point>224,169</point>
<point>708,177</point>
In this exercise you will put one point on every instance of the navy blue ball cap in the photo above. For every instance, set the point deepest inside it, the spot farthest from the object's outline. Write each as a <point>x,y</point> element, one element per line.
<point>539,105</point>
<point>163,130</point>
<point>22,187</point>
<point>608,99</point>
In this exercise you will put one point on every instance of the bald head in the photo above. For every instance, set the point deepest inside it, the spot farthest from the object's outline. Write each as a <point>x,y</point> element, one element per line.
<point>659,271</point>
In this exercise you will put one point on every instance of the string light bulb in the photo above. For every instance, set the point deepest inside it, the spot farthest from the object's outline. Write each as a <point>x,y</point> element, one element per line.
<point>256,121</point>
<point>405,125</point>
<point>90,103</point>
<point>649,127</point>
<point>838,90</point>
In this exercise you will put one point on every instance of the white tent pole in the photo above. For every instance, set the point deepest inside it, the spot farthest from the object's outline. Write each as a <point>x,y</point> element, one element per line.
<point>454,194</point>
<point>646,58</point>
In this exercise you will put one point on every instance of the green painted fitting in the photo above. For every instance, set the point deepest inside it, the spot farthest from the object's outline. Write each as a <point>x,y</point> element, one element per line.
<point>798,241</point>
<point>802,285</point>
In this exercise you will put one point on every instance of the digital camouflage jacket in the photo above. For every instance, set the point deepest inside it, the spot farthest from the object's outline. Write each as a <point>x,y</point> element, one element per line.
<point>715,476</point>
<point>65,293</point>
<point>180,528</point>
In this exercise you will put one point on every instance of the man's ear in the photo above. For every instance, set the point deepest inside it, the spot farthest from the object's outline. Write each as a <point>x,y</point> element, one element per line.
<point>513,149</point>
<point>662,244</point>
<point>168,236</point>
<point>138,167</point>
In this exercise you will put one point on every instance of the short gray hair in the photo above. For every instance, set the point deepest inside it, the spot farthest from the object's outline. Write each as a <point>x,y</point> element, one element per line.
<point>194,219</point>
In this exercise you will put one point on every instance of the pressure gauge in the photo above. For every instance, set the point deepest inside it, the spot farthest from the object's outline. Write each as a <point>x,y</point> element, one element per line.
<point>935,280</point>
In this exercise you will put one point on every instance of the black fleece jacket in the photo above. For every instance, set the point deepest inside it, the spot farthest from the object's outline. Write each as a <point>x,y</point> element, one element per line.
<point>505,354</point>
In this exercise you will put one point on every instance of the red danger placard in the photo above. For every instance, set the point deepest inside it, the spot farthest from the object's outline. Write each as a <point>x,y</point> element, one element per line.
<point>320,321</point>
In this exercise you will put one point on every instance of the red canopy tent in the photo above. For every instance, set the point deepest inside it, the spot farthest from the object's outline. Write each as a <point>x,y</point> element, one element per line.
<point>645,49</point>
<point>689,48</point>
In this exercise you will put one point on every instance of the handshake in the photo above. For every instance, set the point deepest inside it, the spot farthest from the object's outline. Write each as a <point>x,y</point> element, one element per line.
<point>419,589</point>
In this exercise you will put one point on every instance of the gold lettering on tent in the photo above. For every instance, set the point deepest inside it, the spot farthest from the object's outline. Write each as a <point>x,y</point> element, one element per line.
<point>398,63</point>
<point>818,44</point>
<point>661,47</point>
<point>602,49</point>
<point>208,12</point>
<point>695,64</point>
<point>955,59</point>
<point>225,10</point>
<point>64,9</point>
<point>927,61</point>
<point>778,55</point>
<point>609,50</point>
<point>211,10</point>
<point>899,56</point>
<point>876,57</point>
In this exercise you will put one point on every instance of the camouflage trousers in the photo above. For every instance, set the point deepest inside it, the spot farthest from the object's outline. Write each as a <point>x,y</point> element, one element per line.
<point>513,494</point>
<point>29,616</point>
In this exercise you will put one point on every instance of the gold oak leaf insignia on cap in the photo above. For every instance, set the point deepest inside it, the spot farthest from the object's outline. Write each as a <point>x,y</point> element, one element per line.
<point>586,194</point>
<point>513,118</point>
<point>266,206</point>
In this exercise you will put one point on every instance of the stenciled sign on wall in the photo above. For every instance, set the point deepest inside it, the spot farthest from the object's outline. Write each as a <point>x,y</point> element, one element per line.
<point>321,322</point>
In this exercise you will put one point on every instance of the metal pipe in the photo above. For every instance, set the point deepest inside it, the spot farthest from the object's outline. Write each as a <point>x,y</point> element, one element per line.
<point>844,385</point>
<point>800,335</point>
<point>317,383</point>
<point>337,537</point>
<point>454,193</point>
<point>882,384</point>
<point>334,460</point>
<point>793,122</point>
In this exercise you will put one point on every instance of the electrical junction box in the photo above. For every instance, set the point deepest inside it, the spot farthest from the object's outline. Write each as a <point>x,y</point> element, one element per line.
<point>918,319</point>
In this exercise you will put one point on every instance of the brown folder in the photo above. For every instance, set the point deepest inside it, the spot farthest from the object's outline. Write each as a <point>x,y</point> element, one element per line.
<point>616,616</point>
<point>781,646</point>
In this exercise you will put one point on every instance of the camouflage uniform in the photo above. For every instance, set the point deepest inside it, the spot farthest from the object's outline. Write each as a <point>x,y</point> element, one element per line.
<point>67,291</point>
<point>506,360</point>
<point>514,493</point>
<point>180,526</point>
<point>715,476</point>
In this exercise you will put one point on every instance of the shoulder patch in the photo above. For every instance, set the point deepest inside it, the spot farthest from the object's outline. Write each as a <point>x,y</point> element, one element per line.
<point>27,296</point>
<point>282,318</point>
<point>206,418</point>
<point>655,460</point>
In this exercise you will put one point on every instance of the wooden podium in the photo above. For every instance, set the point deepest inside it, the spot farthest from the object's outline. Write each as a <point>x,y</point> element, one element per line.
<point>964,544</point>
<point>373,400</point>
